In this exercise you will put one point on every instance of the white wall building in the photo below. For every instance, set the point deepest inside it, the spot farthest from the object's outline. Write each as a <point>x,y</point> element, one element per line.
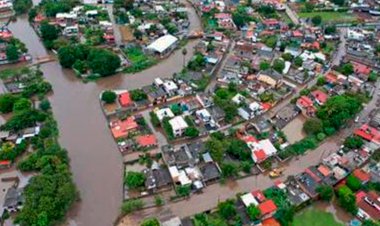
<point>179,125</point>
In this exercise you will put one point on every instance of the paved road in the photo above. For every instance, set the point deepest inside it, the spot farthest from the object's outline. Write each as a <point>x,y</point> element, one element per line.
<point>292,15</point>
<point>341,52</point>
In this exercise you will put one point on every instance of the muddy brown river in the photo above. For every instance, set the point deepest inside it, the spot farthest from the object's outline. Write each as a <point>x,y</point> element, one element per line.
<point>95,160</point>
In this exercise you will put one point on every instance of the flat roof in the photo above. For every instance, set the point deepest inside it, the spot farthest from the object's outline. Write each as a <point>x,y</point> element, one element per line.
<point>162,43</point>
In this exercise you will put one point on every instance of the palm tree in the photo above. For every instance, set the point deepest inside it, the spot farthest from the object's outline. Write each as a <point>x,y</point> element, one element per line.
<point>184,52</point>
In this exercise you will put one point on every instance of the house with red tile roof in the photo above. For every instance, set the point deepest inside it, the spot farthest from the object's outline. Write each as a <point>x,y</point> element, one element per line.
<point>272,24</point>
<point>319,96</point>
<point>270,222</point>
<point>5,164</point>
<point>368,205</point>
<point>121,128</point>
<point>306,105</point>
<point>361,68</point>
<point>125,99</point>
<point>362,175</point>
<point>368,133</point>
<point>146,140</point>
<point>259,196</point>
<point>267,209</point>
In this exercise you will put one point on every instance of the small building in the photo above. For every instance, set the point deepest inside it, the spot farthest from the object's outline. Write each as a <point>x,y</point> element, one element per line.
<point>163,113</point>
<point>267,209</point>
<point>319,97</point>
<point>125,99</point>
<point>306,105</point>
<point>157,178</point>
<point>163,45</point>
<point>271,77</point>
<point>178,125</point>
<point>121,128</point>
<point>149,140</point>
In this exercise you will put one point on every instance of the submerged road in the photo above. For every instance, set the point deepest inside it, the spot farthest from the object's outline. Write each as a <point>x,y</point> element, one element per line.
<point>95,160</point>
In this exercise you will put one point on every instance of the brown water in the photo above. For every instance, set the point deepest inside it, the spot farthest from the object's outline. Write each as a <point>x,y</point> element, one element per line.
<point>95,160</point>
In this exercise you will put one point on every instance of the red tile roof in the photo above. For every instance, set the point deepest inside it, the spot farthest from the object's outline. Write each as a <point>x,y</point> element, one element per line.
<point>312,175</point>
<point>368,133</point>
<point>120,128</point>
<point>361,68</point>
<point>125,99</point>
<point>146,140</point>
<point>266,106</point>
<point>267,207</point>
<point>305,102</point>
<point>270,222</point>
<point>331,77</point>
<point>259,195</point>
<point>260,155</point>
<point>362,175</point>
<point>320,96</point>
<point>297,33</point>
<point>5,162</point>
<point>271,22</point>
<point>222,16</point>
<point>249,139</point>
<point>324,170</point>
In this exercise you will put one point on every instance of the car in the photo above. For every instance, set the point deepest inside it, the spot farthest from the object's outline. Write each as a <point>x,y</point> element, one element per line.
<point>357,119</point>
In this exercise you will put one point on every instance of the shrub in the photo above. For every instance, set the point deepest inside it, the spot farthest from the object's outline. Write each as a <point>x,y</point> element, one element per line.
<point>131,205</point>
<point>109,96</point>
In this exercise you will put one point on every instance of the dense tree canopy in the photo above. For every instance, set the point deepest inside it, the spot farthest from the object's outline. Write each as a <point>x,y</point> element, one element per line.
<point>227,209</point>
<point>313,126</point>
<point>96,59</point>
<point>338,109</point>
<point>12,53</point>
<point>347,200</point>
<point>326,192</point>
<point>134,179</point>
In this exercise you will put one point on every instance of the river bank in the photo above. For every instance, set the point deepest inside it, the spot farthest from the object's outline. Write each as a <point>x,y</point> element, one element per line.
<point>95,160</point>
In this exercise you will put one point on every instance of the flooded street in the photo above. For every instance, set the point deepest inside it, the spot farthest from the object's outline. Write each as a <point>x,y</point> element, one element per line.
<point>294,130</point>
<point>95,160</point>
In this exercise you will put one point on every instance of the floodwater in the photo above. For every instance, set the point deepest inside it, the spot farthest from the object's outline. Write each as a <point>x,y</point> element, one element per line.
<point>95,160</point>
<point>293,130</point>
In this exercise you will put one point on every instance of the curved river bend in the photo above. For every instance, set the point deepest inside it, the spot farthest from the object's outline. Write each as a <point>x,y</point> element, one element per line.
<point>95,160</point>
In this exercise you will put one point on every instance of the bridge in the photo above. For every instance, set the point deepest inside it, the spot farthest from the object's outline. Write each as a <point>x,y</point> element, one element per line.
<point>43,60</point>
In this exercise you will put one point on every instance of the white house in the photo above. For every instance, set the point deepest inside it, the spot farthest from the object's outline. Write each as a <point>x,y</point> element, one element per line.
<point>163,45</point>
<point>164,112</point>
<point>238,99</point>
<point>170,87</point>
<point>253,109</point>
<point>261,150</point>
<point>178,125</point>
<point>203,115</point>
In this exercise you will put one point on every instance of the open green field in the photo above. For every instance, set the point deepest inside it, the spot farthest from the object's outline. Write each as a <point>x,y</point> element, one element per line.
<point>315,217</point>
<point>331,17</point>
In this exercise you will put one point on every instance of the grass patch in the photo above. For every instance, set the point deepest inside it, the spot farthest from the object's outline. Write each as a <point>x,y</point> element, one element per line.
<point>138,59</point>
<point>330,17</point>
<point>314,217</point>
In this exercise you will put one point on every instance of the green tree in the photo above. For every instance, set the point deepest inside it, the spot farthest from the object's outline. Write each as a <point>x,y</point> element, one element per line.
<point>6,102</point>
<point>239,149</point>
<point>150,222</point>
<point>12,53</point>
<point>138,95</point>
<point>331,29</point>
<point>96,60</point>
<point>278,65</point>
<point>372,77</point>
<point>353,142</point>
<point>216,149</point>
<point>287,56</point>
<point>347,199</point>
<point>229,169</point>
<point>321,81</point>
<point>253,212</point>
<point>183,190</point>
<point>353,183</point>
<point>134,179</point>
<point>316,20</point>
<point>45,105</point>
<point>130,206</point>
<point>298,61</point>
<point>158,200</point>
<point>227,209</point>
<point>48,32</point>
<point>22,6</point>
<point>325,192</point>
<point>191,132</point>
<point>347,69</point>
<point>339,2</point>
<point>313,126</point>
<point>309,7</point>
<point>271,41</point>
<point>109,96</point>
<point>264,65</point>
<point>22,104</point>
